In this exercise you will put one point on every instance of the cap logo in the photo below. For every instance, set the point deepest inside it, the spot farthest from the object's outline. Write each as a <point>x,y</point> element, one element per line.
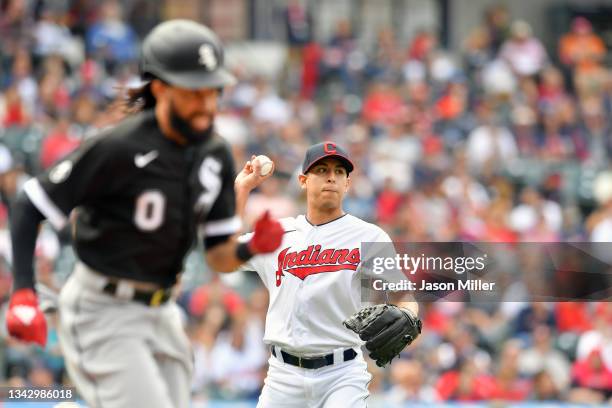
<point>207,56</point>
<point>329,148</point>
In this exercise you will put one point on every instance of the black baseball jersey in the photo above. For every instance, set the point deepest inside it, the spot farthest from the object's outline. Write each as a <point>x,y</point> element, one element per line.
<point>140,199</point>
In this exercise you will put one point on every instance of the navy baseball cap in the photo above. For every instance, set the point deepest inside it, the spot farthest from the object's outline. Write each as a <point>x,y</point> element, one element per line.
<point>324,150</point>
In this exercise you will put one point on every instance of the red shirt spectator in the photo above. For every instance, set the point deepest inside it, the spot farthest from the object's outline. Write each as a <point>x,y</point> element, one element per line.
<point>511,389</point>
<point>388,204</point>
<point>384,105</point>
<point>424,42</point>
<point>591,372</point>
<point>464,385</point>
<point>311,59</point>
<point>57,144</point>
<point>15,114</point>
<point>214,293</point>
<point>572,316</point>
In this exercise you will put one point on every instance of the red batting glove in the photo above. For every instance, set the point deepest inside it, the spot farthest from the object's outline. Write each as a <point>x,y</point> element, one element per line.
<point>267,235</point>
<point>24,320</point>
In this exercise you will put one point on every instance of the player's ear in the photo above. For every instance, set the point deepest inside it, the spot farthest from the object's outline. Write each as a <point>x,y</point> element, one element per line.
<point>157,88</point>
<point>347,184</point>
<point>302,180</point>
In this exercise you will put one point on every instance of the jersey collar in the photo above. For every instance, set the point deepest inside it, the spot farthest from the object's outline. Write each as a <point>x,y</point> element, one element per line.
<point>325,223</point>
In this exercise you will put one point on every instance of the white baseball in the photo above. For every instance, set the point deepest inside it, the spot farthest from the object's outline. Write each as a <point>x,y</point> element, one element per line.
<point>265,163</point>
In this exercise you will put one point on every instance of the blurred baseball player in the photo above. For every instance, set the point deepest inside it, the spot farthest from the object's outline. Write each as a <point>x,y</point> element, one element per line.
<point>142,189</point>
<point>314,288</point>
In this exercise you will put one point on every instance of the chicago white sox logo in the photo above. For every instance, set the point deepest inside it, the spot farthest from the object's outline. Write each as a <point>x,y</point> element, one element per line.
<point>210,177</point>
<point>207,56</point>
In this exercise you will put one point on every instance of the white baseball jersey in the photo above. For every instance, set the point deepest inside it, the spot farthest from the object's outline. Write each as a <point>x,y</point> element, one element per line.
<point>314,283</point>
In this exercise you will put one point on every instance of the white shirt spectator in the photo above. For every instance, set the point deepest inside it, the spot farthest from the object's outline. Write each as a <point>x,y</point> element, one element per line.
<point>491,142</point>
<point>232,128</point>
<point>602,232</point>
<point>525,53</point>
<point>272,109</point>
<point>525,217</point>
<point>456,188</point>
<point>394,159</point>
<point>525,58</point>
<point>237,370</point>
<point>497,78</point>
<point>592,340</point>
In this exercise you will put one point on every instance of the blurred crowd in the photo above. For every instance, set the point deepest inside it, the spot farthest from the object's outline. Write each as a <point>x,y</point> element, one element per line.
<point>502,140</point>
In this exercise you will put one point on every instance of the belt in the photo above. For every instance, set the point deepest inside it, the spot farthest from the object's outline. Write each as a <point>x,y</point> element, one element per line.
<point>153,299</point>
<point>313,362</point>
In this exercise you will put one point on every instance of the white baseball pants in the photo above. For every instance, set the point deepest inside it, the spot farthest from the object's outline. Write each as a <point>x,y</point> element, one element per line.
<point>342,384</point>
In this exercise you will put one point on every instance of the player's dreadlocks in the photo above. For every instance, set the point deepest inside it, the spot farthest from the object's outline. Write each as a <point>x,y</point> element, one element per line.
<point>139,99</point>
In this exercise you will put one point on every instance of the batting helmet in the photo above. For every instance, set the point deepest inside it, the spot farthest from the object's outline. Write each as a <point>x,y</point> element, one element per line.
<point>185,54</point>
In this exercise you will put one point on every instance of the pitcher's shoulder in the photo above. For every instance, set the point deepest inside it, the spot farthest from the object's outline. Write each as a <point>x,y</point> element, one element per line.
<point>368,228</point>
<point>289,223</point>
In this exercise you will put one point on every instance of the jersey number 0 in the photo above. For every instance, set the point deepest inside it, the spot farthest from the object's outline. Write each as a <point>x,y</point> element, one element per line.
<point>150,207</point>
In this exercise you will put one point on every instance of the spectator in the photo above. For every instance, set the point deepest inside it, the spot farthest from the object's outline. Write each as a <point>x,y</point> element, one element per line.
<point>299,25</point>
<point>465,384</point>
<point>409,383</point>
<point>53,37</point>
<point>23,79</point>
<point>15,113</point>
<point>490,145</point>
<point>593,374</point>
<point>394,156</point>
<point>581,48</point>
<point>596,130</point>
<point>58,143</point>
<point>497,24</point>
<point>243,354</point>
<point>423,44</point>
<point>544,388</point>
<point>337,56</point>
<point>534,316</point>
<point>522,51</point>
<point>508,385</point>
<point>599,338</point>
<point>543,360</point>
<point>477,50</point>
<point>525,217</point>
<point>111,39</point>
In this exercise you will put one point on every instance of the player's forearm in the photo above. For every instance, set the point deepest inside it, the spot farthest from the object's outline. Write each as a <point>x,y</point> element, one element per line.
<point>25,220</point>
<point>410,305</point>
<point>242,195</point>
<point>223,257</point>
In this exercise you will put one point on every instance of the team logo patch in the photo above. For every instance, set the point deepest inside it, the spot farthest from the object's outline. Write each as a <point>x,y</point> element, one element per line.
<point>329,148</point>
<point>25,313</point>
<point>60,172</point>
<point>210,178</point>
<point>313,260</point>
<point>207,56</point>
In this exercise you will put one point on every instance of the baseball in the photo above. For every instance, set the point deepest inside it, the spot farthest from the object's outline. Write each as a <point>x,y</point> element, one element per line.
<point>266,165</point>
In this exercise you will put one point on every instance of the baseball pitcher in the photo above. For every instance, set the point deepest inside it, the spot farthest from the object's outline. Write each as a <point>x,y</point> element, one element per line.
<point>315,325</point>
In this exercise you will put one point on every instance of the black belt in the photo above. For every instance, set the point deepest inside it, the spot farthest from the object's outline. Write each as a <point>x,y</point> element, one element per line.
<point>154,298</point>
<point>314,362</point>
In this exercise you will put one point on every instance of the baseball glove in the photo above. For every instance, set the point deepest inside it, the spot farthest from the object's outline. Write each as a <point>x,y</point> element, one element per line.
<point>386,329</point>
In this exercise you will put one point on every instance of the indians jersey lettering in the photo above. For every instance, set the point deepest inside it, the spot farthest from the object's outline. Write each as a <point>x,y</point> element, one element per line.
<point>314,260</point>
<point>314,283</point>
